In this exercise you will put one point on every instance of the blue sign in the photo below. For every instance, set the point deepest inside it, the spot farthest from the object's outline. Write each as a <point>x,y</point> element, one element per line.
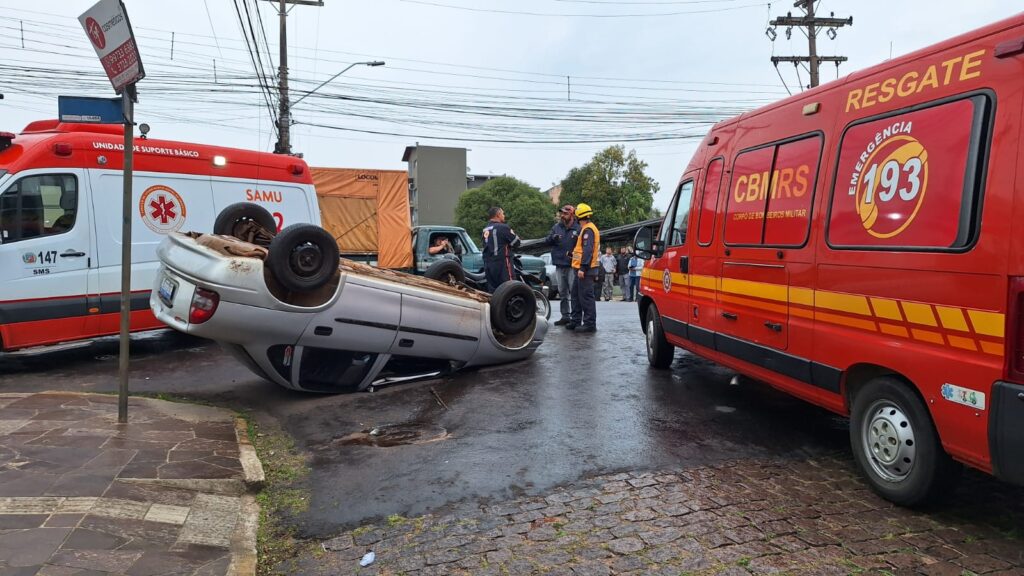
<point>90,110</point>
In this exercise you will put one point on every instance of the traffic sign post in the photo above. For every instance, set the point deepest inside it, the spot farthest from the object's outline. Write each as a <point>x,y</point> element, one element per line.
<point>110,32</point>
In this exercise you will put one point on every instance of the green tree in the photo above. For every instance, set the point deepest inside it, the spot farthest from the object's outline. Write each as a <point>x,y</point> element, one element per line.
<point>615,185</point>
<point>528,211</point>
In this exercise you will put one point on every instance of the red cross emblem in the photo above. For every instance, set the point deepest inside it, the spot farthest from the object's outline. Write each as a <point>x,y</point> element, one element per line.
<point>163,209</point>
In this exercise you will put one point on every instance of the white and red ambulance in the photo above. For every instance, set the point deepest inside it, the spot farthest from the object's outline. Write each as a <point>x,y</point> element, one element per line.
<point>60,221</point>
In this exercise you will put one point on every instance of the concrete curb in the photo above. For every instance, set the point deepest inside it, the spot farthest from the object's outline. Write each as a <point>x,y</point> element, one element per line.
<point>252,468</point>
<point>244,559</point>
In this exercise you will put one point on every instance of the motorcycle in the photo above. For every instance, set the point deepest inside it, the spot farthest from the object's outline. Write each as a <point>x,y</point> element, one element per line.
<point>450,271</point>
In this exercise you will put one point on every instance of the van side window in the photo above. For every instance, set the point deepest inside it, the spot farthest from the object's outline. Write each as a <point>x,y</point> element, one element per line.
<point>38,206</point>
<point>709,202</point>
<point>681,216</point>
<point>744,214</point>
<point>788,220</point>
<point>911,180</point>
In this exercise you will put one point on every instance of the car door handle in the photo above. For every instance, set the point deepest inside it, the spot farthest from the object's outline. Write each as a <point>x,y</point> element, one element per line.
<point>729,316</point>
<point>684,264</point>
<point>773,326</point>
<point>71,254</point>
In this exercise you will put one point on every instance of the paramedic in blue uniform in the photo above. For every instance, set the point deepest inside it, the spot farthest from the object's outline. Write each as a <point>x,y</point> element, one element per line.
<point>499,240</point>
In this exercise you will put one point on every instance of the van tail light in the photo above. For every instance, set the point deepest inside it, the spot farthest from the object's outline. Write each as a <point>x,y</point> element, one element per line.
<point>1015,331</point>
<point>204,304</point>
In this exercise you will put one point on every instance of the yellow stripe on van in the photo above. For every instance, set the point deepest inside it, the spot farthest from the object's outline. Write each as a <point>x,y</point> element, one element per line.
<point>888,309</point>
<point>705,282</point>
<point>919,313</point>
<point>852,322</point>
<point>893,330</point>
<point>986,323</point>
<point>952,318</point>
<point>961,342</point>
<point>991,348</point>
<point>843,303</point>
<point>801,296</point>
<point>927,336</point>
<point>776,292</point>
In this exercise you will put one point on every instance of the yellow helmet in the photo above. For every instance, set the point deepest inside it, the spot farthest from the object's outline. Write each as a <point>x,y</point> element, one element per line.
<point>584,210</point>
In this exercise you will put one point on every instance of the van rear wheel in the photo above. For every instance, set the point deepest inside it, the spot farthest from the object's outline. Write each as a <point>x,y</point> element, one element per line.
<point>659,351</point>
<point>896,446</point>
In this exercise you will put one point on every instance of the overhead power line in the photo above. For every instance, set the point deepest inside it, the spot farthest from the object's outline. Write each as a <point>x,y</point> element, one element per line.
<point>580,15</point>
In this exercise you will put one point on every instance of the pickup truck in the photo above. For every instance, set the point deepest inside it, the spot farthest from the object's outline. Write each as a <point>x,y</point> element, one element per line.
<point>465,248</point>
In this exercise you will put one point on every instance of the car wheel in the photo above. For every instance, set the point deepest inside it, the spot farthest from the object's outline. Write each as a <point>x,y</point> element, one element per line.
<point>896,446</point>
<point>303,257</point>
<point>513,307</point>
<point>543,304</point>
<point>230,219</point>
<point>659,351</point>
<point>447,271</point>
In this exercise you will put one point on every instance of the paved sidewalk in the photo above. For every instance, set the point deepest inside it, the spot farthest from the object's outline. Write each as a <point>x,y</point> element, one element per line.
<point>812,518</point>
<point>164,494</point>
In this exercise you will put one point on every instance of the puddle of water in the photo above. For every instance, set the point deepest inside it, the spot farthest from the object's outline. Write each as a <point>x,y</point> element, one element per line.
<point>395,435</point>
<point>725,409</point>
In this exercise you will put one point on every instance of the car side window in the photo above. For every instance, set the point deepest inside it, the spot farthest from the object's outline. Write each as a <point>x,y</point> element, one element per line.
<point>682,214</point>
<point>37,206</point>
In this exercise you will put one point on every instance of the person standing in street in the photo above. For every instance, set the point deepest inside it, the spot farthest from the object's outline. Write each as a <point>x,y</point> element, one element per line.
<point>585,265</point>
<point>562,240</point>
<point>499,240</point>
<point>608,264</point>
<point>622,272</point>
<point>636,266</point>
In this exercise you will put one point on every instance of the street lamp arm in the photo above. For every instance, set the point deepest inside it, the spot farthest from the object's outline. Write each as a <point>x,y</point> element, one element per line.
<point>325,82</point>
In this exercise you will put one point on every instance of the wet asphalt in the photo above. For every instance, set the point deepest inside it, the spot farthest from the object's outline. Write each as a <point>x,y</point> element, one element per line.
<point>584,404</point>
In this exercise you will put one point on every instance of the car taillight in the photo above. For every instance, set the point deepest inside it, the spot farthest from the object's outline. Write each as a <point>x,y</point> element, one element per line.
<point>1015,331</point>
<point>204,304</point>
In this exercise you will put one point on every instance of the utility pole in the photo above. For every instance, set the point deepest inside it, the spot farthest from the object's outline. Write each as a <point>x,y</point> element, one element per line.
<point>284,144</point>
<point>813,24</point>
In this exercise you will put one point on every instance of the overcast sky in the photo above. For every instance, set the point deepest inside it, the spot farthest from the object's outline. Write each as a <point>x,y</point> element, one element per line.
<point>711,56</point>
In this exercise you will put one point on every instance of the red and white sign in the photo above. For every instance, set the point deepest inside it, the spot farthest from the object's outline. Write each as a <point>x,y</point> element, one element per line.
<point>106,24</point>
<point>162,209</point>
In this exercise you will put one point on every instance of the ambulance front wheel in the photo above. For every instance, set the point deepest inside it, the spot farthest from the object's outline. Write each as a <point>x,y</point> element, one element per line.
<point>659,351</point>
<point>231,219</point>
<point>896,446</point>
<point>303,257</point>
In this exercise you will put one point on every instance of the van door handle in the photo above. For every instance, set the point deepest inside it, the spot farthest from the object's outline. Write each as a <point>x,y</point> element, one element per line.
<point>71,254</point>
<point>684,264</point>
<point>729,316</point>
<point>773,326</point>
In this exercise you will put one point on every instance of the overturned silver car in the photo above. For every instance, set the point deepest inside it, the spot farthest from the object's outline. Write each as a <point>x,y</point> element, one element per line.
<point>295,316</point>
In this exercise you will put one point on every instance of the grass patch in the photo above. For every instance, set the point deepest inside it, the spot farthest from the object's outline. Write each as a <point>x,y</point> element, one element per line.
<point>396,520</point>
<point>743,562</point>
<point>284,466</point>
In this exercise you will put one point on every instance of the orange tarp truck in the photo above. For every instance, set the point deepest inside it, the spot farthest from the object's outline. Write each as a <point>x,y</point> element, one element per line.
<point>367,212</point>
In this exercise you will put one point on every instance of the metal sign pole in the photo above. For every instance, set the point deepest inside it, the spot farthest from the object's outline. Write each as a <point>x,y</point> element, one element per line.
<point>127,97</point>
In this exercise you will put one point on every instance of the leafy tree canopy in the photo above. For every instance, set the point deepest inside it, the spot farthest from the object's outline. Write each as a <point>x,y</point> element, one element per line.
<point>528,211</point>
<point>615,185</point>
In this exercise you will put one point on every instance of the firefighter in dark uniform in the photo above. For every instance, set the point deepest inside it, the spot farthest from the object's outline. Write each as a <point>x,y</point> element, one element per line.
<point>586,266</point>
<point>499,240</point>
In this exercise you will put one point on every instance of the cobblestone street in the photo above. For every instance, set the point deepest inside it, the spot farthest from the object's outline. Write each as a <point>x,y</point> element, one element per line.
<point>750,517</point>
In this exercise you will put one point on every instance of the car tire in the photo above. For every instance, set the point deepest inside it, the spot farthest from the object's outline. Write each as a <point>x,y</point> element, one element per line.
<point>513,307</point>
<point>896,446</point>
<point>447,271</point>
<point>659,352</point>
<point>238,213</point>
<point>303,257</point>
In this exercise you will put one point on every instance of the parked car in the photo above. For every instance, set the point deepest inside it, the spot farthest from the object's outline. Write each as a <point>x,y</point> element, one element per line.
<point>296,317</point>
<point>552,278</point>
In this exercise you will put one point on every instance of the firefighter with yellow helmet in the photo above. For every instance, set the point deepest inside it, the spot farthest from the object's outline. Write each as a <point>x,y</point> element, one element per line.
<point>585,265</point>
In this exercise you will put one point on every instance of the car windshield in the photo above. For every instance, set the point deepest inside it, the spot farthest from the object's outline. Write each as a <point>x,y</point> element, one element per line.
<point>470,246</point>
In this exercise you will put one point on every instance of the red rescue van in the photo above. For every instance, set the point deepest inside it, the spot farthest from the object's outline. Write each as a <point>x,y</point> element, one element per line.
<point>60,221</point>
<point>854,246</point>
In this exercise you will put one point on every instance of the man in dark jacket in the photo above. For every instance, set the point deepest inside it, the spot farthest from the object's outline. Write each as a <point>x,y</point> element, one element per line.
<point>622,273</point>
<point>499,240</point>
<point>562,240</point>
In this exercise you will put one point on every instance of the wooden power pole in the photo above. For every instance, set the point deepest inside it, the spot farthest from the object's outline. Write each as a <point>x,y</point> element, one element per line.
<point>284,121</point>
<point>813,24</point>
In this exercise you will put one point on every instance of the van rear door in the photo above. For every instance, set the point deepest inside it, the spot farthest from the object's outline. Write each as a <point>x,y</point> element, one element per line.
<point>45,251</point>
